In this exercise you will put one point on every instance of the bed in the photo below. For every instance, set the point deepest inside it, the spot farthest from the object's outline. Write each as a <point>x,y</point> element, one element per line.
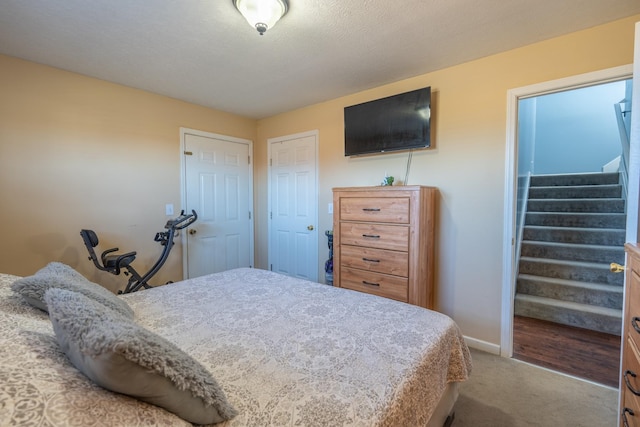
<point>286,352</point>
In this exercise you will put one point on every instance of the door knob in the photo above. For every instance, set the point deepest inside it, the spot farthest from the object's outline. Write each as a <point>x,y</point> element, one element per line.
<point>616,268</point>
<point>310,227</point>
<point>192,231</point>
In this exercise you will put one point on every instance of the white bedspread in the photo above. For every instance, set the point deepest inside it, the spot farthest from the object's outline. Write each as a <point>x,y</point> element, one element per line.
<point>291,352</point>
<point>286,352</point>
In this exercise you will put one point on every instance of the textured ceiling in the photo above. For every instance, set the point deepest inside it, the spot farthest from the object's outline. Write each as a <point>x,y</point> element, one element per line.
<point>204,52</point>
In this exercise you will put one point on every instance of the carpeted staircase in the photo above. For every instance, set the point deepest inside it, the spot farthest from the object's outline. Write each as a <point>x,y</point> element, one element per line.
<point>574,228</point>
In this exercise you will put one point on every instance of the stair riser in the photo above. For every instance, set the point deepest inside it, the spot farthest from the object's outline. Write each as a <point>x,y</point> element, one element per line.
<point>594,322</point>
<point>586,192</point>
<point>581,205</point>
<point>570,272</point>
<point>586,237</point>
<point>577,179</point>
<point>569,253</point>
<point>549,219</point>
<point>602,298</point>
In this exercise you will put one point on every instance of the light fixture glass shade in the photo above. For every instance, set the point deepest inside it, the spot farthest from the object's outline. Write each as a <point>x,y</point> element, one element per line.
<point>262,14</point>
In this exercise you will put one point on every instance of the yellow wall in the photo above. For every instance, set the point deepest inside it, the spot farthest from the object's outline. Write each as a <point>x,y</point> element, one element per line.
<point>77,152</point>
<point>467,162</point>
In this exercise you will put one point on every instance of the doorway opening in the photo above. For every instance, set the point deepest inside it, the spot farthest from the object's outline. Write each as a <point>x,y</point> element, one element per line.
<point>546,142</point>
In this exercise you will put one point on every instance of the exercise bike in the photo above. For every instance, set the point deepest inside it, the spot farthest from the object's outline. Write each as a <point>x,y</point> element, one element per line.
<point>115,263</point>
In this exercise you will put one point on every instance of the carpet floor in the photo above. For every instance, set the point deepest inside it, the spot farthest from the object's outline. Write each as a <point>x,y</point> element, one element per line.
<point>503,392</point>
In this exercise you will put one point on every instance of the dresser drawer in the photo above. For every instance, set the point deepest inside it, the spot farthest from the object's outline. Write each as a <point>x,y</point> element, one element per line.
<point>379,236</point>
<point>374,283</point>
<point>378,260</point>
<point>388,209</point>
<point>633,315</point>
<point>631,368</point>
<point>630,411</point>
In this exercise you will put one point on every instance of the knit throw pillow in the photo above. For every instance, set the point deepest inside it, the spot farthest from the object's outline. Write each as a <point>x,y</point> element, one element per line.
<point>119,355</point>
<point>58,275</point>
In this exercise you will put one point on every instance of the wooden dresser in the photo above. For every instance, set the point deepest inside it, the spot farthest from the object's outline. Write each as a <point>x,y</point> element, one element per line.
<point>383,241</point>
<point>630,368</point>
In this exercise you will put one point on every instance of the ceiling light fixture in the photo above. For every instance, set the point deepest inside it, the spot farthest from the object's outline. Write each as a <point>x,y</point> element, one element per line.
<point>262,14</point>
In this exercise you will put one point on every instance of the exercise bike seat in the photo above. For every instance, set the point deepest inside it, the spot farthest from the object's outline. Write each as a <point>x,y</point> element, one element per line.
<point>111,261</point>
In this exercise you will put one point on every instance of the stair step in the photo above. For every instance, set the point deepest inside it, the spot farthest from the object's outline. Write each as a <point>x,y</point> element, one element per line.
<point>589,236</point>
<point>585,316</point>
<point>590,272</point>
<point>608,205</point>
<point>572,251</point>
<point>610,191</point>
<point>595,178</point>
<point>582,220</point>
<point>570,290</point>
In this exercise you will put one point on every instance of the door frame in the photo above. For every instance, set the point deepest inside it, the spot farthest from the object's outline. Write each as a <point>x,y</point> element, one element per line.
<point>183,190</point>
<point>270,141</point>
<point>623,72</point>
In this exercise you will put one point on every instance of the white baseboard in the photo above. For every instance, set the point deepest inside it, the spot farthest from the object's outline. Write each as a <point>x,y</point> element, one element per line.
<point>482,345</point>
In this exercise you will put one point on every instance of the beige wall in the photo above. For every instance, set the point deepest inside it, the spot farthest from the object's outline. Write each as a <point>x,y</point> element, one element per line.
<point>467,162</point>
<point>77,152</point>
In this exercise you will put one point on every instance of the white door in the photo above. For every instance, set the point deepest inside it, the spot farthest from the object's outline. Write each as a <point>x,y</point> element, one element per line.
<point>218,186</point>
<point>293,205</point>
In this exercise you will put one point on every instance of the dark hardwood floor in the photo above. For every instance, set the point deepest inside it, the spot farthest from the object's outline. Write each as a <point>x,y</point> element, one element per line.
<point>591,355</point>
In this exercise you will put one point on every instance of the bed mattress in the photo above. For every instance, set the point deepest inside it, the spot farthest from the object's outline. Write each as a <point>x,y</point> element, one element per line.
<point>287,352</point>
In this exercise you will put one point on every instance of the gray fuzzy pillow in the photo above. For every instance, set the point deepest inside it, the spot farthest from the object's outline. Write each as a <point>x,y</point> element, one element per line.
<point>58,275</point>
<point>119,355</point>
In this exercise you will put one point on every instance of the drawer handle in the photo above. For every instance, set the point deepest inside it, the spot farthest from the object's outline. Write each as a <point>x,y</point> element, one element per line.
<point>625,422</point>
<point>634,323</point>
<point>371,209</point>
<point>370,260</point>
<point>628,383</point>
<point>370,284</point>
<point>375,236</point>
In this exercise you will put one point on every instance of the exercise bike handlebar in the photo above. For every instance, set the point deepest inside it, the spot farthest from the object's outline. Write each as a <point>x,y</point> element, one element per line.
<point>166,239</point>
<point>183,221</point>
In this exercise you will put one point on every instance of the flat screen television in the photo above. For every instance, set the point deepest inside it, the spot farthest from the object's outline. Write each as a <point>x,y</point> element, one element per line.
<point>397,122</point>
